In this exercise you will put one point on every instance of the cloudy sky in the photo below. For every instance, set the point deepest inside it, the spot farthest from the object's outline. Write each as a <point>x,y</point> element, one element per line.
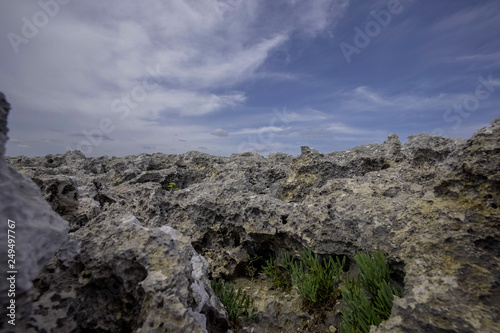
<point>123,77</point>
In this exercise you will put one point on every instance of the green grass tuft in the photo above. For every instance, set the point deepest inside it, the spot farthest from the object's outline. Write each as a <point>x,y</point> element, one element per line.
<point>279,271</point>
<point>316,280</point>
<point>359,313</point>
<point>237,302</point>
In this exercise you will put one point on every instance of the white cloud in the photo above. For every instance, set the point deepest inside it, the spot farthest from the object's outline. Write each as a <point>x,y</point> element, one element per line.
<point>88,49</point>
<point>340,128</point>
<point>92,53</point>
<point>186,103</point>
<point>220,132</point>
<point>363,93</point>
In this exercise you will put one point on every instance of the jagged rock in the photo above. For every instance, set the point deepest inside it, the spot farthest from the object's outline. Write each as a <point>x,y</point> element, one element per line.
<point>117,276</point>
<point>38,233</point>
<point>432,205</point>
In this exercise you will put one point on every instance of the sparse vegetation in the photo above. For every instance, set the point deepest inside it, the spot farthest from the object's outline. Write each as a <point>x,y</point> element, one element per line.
<point>374,278</point>
<point>171,187</point>
<point>250,268</point>
<point>368,297</point>
<point>280,271</point>
<point>317,281</point>
<point>359,312</point>
<point>237,303</point>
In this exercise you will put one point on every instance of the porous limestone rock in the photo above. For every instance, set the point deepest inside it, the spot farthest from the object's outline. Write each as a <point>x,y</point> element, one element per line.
<point>432,205</point>
<point>117,276</point>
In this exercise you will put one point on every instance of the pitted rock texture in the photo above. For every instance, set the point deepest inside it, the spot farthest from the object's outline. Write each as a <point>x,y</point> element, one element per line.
<point>432,205</point>
<point>37,234</point>
<point>117,276</point>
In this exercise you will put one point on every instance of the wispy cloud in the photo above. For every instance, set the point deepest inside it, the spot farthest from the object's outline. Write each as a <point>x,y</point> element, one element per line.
<point>480,57</point>
<point>475,19</point>
<point>481,61</point>
<point>365,99</point>
<point>341,128</point>
<point>263,129</point>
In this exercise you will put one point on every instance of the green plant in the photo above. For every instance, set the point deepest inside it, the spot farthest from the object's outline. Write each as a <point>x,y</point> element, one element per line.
<point>279,270</point>
<point>316,280</point>
<point>237,303</point>
<point>280,276</point>
<point>375,279</point>
<point>286,261</point>
<point>171,187</point>
<point>359,313</point>
<point>250,268</point>
<point>113,158</point>
<point>373,270</point>
<point>384,299</point>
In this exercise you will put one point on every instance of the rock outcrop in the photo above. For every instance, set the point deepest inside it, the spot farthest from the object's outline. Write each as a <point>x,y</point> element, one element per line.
<point>135,258</point>
<point>117,276</point>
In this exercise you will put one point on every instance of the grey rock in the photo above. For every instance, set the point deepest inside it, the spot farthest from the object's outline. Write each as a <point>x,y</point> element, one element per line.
<point>118,276</point>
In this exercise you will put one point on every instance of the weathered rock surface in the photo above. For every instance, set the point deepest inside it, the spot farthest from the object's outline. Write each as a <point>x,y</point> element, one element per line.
<point>36,235</point>
<point>117,276</point>
<point>432,205</point>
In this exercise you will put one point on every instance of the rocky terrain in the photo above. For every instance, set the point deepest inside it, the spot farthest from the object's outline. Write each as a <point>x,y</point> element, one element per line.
<point>136,255</point>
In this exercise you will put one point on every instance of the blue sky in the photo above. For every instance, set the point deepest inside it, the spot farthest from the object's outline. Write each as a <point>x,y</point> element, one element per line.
<point>229,76</point>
